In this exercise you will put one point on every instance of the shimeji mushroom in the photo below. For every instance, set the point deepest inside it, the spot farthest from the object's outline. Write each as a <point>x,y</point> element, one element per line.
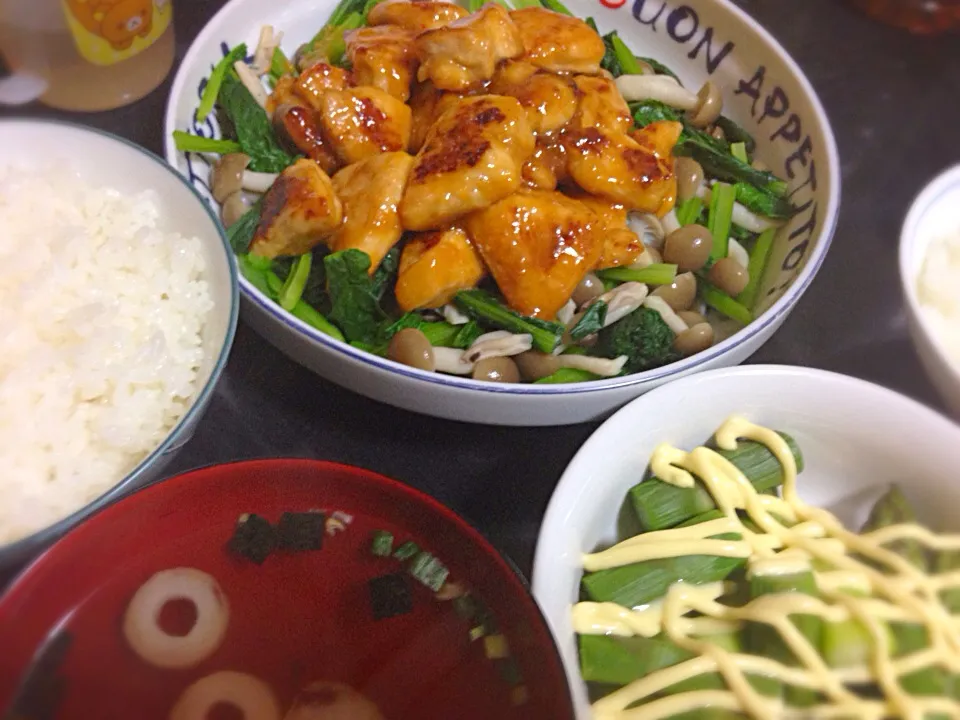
<point>663,88</point>
<point>267,44</point>
<point>673,321</point>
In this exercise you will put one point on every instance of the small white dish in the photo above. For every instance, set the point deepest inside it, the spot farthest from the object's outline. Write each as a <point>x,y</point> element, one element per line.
<point>856,439</point>
<point>764,90</point>
<point>105,160</point>
<point>935,212</point>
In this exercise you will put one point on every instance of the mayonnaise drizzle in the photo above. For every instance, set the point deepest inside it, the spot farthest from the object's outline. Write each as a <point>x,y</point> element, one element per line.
<point>811,538</point>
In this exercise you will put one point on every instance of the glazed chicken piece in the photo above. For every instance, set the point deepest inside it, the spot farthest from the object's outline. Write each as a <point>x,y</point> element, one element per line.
<point>370,191</point>
<point>298,128</point>
<point>621,169</point>
<point>465,53</point>
<point>364,121</point>
<point>308,87</point>
<point>558,43</point>
<point>660,138</point>
<point>415,15</point>
<point>550,100</point>
<point>621,245</point>
<point>472,157</point>
<point>601,106</point>
<point>434,267</point>
<point>299,211</point>
<point>538,246</point>
<point>427,105</point>
<point>383,57</point>
<point>547,166</point>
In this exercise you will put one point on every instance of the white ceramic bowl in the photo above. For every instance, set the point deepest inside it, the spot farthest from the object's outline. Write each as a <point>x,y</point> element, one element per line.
<point>934,213</point>
<point>764,90</point>
<point>108,161</point>
<point>856,439</point>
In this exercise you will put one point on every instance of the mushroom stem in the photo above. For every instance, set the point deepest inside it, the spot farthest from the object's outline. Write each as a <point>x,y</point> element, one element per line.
<point>268,42</point>
<point>673,321</point>
<point>664,88</point>
<point>251,81</point>
<point>258,182</point>
<point>603,367</point>
<point>451,361</point>
<point>452,314</point>
<point>499,343</point>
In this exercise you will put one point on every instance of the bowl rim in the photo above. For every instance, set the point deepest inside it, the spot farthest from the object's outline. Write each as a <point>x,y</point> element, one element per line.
<point>771,317</point>
<point>33,571</point>
<point>571,481</point>
<point>910,246</point>
<point>201,398</point>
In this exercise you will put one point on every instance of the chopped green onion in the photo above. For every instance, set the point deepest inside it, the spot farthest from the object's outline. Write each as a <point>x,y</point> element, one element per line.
<point>429,571</point>
<point>477,632</point>
<point>656,274</point>
<point>759,258</point>
<point>382,545</point>
<point>212,89</point>
<point>406,551</point>
<point>556,6</point>
<point>739,151</point>
<point>724,304</point>
<point>304,311</point>
<point>495,647</point>
<point>296,281</point>
<point>722,198</point>
<point>628,61</point>
<point>567,375</point>
<point>188,142</point>
<point>689,210</point>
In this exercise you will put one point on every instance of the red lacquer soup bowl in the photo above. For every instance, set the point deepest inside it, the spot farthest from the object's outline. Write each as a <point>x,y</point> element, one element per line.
<point>296,635</point>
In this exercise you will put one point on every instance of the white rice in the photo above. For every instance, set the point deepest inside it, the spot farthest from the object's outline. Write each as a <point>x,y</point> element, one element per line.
<point>938,289</point>
<point>100,319</point>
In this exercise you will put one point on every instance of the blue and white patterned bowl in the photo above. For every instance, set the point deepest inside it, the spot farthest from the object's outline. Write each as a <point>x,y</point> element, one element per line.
<point>764,90</point>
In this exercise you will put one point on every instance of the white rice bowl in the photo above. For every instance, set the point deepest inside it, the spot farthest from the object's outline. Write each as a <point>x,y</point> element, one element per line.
<point>101,315</point>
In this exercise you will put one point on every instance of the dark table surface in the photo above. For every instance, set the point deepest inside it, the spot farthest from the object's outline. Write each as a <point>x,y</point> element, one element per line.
<point>893,100</point>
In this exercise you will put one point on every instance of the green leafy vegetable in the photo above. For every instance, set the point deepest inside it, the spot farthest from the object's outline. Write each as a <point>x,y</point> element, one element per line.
<point>724,304</point>
<point>314,319</point>
<point>628,61</point>
<point>642,336</point>
<point>256,275</point>
<point>354,307</point>
<point>715,158</point>
<point>252,126</point>
<point>567,375</point>
<point>211,90</point>
<point>764,202</point>
<point>659,68</point>
<point>656,274</point>
<point>689,210</point>
<point>386,273</point>
<point>759,259</point>
<point>296,281</point>
<point>739,151</point>
<point>240,234</point>
<point>590,322</point>
<point>556,6</point>
<point>280,65</point>
<point>736,134</point>
<point>485,308</point>
<point>651,111</point>
<point>722,198</point>
<point>187,142</point>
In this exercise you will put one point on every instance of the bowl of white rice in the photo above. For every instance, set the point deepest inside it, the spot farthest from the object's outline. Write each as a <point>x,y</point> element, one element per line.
<point>930,274</point>
<point>118,305</point>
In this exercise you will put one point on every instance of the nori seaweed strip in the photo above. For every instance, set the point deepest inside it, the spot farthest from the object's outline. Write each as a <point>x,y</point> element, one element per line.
<point>254,538</point>
<point>390,596</point>
<point>303,531</point>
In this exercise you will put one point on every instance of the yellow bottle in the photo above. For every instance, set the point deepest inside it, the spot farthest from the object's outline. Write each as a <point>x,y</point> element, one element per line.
<point>89,54</point>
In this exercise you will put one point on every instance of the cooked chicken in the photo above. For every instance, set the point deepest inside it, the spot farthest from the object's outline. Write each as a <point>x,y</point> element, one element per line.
<point>297,127</point>
<point>547,166</point>
<point>558,43</point>
<point>415,15</point>
<point>619,168</point>
<point>601,107</point>
<point>660,138</point>
<point>550,100</point>
<point>621,245</point>
<point>370,191</point>
<point>435,266</point>
<point>538,246</point>
<point>313,82</point>
<point>364,121</point>
<point>465,53</point>
<point>383,57</point>
<point>472,158</point>
<point>427,105</point>
<point>299,211</point>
